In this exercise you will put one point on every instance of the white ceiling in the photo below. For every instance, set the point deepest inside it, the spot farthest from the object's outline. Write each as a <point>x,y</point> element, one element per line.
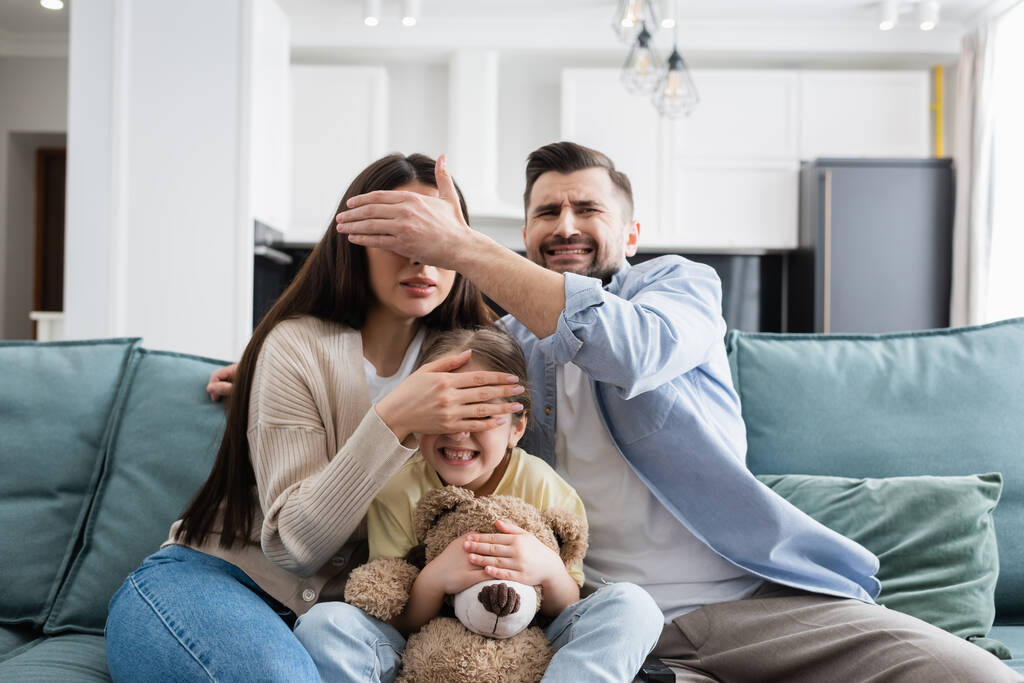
<point>28,17</point>
<point>786,31</point>
<point>828,11</point>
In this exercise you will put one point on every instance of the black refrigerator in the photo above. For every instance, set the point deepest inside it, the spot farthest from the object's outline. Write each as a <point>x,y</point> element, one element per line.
<point>875,246</point>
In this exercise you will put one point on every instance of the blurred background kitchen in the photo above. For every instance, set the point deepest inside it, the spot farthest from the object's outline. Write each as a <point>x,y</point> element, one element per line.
<point>846,166</point>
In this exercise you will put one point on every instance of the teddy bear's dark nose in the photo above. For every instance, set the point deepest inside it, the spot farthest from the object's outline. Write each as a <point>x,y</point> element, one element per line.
<point>499,599</point>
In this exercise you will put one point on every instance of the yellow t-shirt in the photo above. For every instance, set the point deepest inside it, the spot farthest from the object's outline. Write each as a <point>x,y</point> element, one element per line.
<point>390,518</point>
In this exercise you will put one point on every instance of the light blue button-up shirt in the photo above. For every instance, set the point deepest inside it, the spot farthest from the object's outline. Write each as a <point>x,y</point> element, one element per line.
<point>652,343</point>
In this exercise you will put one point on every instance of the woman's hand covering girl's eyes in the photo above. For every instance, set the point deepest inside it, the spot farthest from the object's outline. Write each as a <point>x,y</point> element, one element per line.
<point>435,400</point>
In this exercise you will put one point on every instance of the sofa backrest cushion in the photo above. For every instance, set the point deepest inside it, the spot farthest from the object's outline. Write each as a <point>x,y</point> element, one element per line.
<point>163,443</point>
<point>942,402</point>
<point>55,403</point>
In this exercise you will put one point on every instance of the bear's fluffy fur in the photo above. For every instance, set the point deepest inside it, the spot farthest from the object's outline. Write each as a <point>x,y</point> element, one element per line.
<point>444,650</point>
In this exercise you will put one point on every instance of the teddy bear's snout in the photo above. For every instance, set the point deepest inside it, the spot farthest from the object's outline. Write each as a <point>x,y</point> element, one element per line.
<point>499,599</point>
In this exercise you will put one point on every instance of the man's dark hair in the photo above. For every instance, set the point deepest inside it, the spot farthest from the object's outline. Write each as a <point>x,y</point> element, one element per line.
<point>567,157</point>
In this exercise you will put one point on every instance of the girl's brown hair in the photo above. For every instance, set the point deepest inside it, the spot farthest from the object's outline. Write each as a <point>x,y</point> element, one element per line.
<point>493,348</point>
<point>333,284</point>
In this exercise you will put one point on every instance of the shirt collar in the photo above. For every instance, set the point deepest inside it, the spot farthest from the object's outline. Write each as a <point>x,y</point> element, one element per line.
<point>616,282</point>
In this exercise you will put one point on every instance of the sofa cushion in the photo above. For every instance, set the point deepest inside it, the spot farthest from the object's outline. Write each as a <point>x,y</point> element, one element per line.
<point>933,536</point>
<point>943,402</point>
<point>14,637</point>
<point>55,402</point>
<point>72,657</point>
<point>164,441</point>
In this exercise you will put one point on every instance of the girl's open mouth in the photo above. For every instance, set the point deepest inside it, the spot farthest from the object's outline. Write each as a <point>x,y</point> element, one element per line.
<point>458,456</point>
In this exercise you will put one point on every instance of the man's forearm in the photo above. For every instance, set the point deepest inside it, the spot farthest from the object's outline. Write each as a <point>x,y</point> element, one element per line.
<point>534,295</point>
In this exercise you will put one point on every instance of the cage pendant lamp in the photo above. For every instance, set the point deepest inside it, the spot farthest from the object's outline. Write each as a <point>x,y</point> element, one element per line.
<point>643,68</point>
<point>630,16</point>
<point>676,96</point>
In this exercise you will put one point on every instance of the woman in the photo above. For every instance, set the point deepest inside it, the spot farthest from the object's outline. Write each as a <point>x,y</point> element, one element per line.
<point>323,412</point>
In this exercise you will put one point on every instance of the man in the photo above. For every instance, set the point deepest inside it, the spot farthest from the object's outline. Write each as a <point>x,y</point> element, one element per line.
<point>635,406</point>
<point>637,409</point>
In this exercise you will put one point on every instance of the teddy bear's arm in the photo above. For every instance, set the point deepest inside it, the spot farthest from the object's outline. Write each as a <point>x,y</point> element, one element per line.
<point>381,587</point>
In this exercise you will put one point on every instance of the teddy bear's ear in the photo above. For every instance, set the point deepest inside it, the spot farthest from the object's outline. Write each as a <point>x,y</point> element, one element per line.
<point>434,504</point>
<point>570,532</point>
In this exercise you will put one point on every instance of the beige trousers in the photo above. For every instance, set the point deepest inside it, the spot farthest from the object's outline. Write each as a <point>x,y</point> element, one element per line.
<point>784,634</point>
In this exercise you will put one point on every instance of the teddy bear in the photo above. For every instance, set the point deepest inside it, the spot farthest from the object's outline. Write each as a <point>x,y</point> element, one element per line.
<point>491,639</point>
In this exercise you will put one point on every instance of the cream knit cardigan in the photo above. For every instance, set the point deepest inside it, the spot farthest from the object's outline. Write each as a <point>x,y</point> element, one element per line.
<point>320,454</point>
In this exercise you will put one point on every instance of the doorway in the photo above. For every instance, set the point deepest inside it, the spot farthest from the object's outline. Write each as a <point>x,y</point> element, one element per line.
<point>33,258</point>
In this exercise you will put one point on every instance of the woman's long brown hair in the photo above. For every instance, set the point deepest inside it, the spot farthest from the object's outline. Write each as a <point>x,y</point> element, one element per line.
<point>332,285</point>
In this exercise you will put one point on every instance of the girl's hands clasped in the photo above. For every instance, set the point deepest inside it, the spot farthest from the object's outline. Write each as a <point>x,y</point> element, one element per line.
<point>434,400</point>
<point>451,571</point>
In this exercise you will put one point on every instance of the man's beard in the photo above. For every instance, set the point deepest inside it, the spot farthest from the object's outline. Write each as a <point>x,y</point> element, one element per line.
<point>600,266</point>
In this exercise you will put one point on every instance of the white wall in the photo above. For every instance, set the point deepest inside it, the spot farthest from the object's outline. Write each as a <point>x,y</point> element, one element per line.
<point>161,168</point>
<point>339,124</point>
<point>418,93</point>
<point>33,99</point>
<point>90,247</point>
<point>530,108</point>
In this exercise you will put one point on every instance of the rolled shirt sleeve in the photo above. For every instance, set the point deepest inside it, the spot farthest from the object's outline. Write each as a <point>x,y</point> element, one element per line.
<point>661,325</point>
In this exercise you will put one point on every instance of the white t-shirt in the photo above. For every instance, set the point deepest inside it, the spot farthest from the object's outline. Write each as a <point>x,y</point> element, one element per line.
<point>382,386</point>
<point>632,536</point>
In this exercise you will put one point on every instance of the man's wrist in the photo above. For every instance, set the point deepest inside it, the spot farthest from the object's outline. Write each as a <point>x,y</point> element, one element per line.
<point>475,253</point>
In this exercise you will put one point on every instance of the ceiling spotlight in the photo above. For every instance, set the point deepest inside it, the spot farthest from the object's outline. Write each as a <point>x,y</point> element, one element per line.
<point>928,15</point>
<point>52,4</point>
<point>371,12</point>
<point>889,14</point>
<point>410,12</point>
<point>668,13</point>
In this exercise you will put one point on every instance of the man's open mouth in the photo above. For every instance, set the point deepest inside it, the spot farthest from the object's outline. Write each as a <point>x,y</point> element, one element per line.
<point>566,251</point>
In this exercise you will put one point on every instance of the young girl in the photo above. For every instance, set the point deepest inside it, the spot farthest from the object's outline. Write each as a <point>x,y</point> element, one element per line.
<point>322,414</point>
<point>485,462</point>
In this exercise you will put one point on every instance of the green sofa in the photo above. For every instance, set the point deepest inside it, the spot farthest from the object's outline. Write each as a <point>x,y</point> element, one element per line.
<point>103,442</point>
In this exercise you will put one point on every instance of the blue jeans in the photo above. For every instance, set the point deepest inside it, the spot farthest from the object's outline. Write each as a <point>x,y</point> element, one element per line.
<point>348,645</point>
<point>604,637</point>
<point>184,615</point>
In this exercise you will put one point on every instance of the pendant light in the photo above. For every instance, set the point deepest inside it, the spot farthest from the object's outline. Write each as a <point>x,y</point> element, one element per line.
<point>676,95</point>
<point>643,68</point>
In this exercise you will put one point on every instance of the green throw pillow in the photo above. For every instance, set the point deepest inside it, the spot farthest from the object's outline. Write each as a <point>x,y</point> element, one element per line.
<point>933,536</point>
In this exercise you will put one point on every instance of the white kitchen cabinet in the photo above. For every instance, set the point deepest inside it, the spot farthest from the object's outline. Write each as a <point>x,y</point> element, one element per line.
<point>748,206</point>
<point>726,178</point>
<point>743,115</point>
<point>864,114</point>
